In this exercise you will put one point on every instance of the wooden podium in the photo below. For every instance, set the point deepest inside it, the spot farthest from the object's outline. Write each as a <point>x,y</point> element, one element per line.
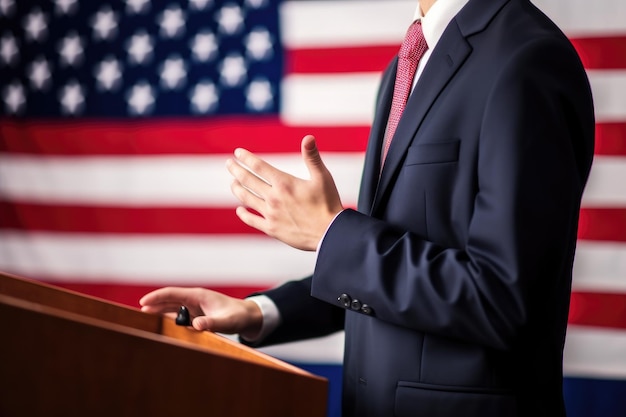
<point>67,354</point>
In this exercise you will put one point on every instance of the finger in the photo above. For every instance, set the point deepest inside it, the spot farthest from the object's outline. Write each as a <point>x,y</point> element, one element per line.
<point>246,197</point>
<point>311,156</point>
<point>248,179</point>
<point>255,164</point>
<point>215,324</point>
<point>171,298</point>
<point>171,315</point>
<point>251,219</point>
<point>203,323</point>
<point>163,295</point>
<point>161,308</point>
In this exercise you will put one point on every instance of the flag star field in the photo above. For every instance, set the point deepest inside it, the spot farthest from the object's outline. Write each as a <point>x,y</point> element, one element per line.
<point>139,59</point>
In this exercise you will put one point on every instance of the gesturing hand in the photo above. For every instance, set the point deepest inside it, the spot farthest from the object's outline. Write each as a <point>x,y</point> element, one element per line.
<point>292,210</point>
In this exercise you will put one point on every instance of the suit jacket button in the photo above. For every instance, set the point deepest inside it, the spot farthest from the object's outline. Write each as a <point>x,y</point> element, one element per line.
<point>365,309</point>
<point>345,300</point>
<point>356,305</point>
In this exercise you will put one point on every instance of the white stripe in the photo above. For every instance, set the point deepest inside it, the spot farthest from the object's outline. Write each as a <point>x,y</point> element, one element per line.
<point>347,99</point>
<point>589,352</point>
<point>155,180</point>
<point>160,180</point>
<point>606,186</point>
<point>327,350</point>
<point>600,267</point>
<point>345,23</point>
<point>193,260</point>
<point>338,99</point>
<point>595,353</point>
<point>577,18</point>
<point>204,181</point>
<point>608,87</point>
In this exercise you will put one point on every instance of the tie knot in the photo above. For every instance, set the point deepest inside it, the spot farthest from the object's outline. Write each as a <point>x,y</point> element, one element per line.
<point>414,44</point>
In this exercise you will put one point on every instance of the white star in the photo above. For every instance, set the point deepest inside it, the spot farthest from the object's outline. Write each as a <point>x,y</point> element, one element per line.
<point>173,73</point>
<point>140,99</point>
<point>8,49</point>
<point>140,48</point>
<point>233,70</point>
<point>256,4</point>
<point>35,26</point>
<point>65,7</point>
<point>259,95</point>
<point>172,22</point>
<point>39,73</point>
<point>137,6</point>
<point>71,50</point>
<point>230,19</point>
<point>14,97</point>
<point>200,4</point>
<point>204,97</point>
<point>108,74</point>
<point>72,98</point>
<point>104,24</point>
<point>204,46</point>
<point>259,44</point>
<point>7,7</point>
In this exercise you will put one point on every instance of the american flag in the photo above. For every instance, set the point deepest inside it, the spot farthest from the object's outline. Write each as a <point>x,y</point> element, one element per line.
<point>116,118</point>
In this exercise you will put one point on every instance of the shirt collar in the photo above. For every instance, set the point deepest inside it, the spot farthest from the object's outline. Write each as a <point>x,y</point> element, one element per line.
<point>437,19</point>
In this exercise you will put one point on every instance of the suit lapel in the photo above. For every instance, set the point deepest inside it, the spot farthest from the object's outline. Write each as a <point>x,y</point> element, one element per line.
<point>446,58</point>
<point>371,168</point>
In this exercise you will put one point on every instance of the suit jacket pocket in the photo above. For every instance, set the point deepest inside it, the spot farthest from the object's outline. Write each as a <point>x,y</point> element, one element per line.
<point>418,399</point>
<point>432,153</point>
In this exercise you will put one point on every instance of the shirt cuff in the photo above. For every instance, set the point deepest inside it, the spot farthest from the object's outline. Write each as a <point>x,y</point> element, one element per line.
<point>271,319</point>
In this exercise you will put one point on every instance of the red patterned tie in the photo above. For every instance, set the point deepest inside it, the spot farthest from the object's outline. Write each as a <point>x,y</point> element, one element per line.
<point>411,52</point>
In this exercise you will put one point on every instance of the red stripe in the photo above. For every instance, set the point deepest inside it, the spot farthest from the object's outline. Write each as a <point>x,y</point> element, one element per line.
<point>603,224</point>
<point>23,216</point>
<point>130,294</point>
<point>602,52</point>
<point>611,139</point>
<point>339,60</point>
<point>121,220</point>
<point>598,309</point>
<point>595,53</point>
<point>180,136</point>
<point>171,136</point>
<point>597,224</point>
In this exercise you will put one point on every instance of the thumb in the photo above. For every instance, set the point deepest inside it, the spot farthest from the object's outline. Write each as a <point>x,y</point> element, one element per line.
<point>203,323</point>
<point>311,156</point>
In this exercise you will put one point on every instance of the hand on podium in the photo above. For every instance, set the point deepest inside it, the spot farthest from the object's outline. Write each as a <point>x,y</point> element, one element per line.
<point>209,310</point>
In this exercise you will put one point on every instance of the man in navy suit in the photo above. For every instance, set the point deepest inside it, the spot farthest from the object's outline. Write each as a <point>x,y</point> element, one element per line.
<point>452,279</point>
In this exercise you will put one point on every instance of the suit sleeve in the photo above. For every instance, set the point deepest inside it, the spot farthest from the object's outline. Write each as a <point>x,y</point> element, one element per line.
<point>302,316</point>
<point>534,154</point>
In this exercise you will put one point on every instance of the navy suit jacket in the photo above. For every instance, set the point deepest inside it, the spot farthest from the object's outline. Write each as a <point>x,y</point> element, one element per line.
<point>452,279</point>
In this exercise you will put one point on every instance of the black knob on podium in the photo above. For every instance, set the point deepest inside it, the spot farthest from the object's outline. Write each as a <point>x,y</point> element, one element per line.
<point>183,317</point>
